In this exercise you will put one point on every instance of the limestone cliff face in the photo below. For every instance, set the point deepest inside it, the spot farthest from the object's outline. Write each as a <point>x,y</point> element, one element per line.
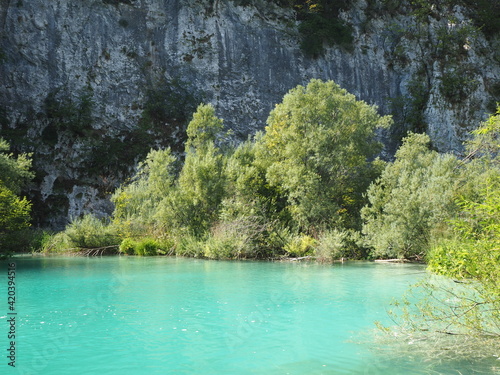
<point>436,75</point>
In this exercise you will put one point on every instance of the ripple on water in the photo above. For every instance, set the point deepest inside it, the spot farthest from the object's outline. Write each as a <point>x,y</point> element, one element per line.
<point>166,315</point>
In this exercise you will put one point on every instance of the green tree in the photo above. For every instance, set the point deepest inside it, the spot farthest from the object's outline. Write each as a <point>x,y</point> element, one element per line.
<point>195,202</point>
<point>14,171</point>
<point>461,311</point>
<point>317,150</point>
<point>269,196</point>
<point>410,201</point>
<point>14,210</point>
<point>474,252</point>
<point>136,203</point>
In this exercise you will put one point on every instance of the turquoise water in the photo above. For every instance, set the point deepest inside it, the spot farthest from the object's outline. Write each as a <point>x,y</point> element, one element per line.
<point>130,315</point>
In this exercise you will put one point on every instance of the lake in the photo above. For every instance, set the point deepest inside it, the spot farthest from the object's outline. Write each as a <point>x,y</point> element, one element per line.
<point>165,315</point>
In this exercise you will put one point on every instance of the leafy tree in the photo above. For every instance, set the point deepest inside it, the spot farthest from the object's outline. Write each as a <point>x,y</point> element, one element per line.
<point>317,150</point>
<point>14,210</point>
<point>136,203</point>
<point>474,252</point>
<point>249,193</point>
<point>204,129</point>
<point>461,312</point>
<point>271,195</point>
<point>410,201</point>
<point>195,202</point>
<point>14,171</point>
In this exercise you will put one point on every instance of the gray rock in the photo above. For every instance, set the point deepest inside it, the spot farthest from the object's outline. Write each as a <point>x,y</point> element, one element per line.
<point>243,60</point>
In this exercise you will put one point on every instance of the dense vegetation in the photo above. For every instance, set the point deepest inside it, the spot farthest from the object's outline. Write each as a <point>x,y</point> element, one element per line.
<point>291,190</point>
<point>310,184</point>
<point>464,247</point>
<point>14,208</point>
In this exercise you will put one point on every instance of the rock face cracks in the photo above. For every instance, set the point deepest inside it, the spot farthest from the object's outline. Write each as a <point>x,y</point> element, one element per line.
<point>83,83</point>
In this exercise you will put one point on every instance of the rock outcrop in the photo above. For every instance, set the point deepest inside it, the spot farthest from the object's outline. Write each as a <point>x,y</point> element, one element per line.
<point>81,80</point>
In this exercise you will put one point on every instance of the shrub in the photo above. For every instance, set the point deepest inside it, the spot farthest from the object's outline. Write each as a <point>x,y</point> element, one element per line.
<point>147,246</point>
<point>411,199</point>
<point>331,246</point>
<point>221,247</point>
<point>245,237</point>
<point>128,246</point>
<point>85,233</point>
<point>457,84</point>
<point>189,245</point>
<point>301,245</point>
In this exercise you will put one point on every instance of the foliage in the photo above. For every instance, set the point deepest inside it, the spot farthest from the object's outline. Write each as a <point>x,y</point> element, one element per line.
<point>466,303</point>
<point>458,83</point>
<point>267,197</point>
<point>136,203</point>
<point>127,246</point>
<point>485,145</point>
<point>338,244</point>
<point>408,110</point>
<point>204,129</point>
<point>486,15</point>
<point>474,258</point>
<point>320,22</point>
<point>444,319</point>
<point>193,205</point>
<point>419,96</point>
<point>14,171</point>
<point>318,29</point>
<point>301,245</point>
<point>67,113</point>
<point>14,210</point>
<point>147,246</point>
<point>83,234</point>
<point>241,238</point>
<point>410,201</point>
<point>14,216</point>
<point>316,150</point>
<point>167,109</point>
<point>474,252</point>
<point>224,243</point>
<point>162,203</point>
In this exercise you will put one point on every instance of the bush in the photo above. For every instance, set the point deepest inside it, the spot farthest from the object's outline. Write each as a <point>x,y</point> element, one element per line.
<point>189,245</point>
<point>147,246</point>
<point>86,233</point>
<point>222,247</point>
<point>458,84</point>
<point>128,246</point>
<point>301,245</point>
<point>244,237</point>
<point>413,198</point>
<point>331,246</point>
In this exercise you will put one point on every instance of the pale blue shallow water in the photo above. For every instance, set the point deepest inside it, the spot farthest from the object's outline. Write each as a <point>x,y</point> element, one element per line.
<point>160,315</point>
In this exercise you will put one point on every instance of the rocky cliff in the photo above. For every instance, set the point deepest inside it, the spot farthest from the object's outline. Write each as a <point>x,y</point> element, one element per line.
<point>89,86</point>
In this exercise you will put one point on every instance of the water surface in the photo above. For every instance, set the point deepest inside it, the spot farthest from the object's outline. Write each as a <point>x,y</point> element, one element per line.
<point>160,315</point>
